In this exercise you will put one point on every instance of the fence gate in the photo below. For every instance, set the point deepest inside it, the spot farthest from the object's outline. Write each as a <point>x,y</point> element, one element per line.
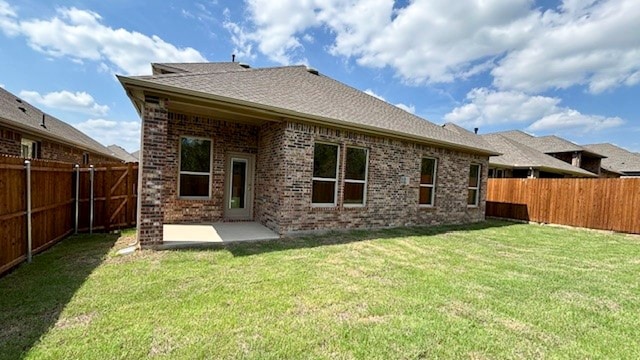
<point>64,198</point>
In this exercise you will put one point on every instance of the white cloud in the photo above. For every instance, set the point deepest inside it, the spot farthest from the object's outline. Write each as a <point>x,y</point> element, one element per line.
<point>80,35</point>
<point>490,107</point>
<point>407,108</point>
<point>569,119</point>
<point>581,42</point>
<point>594,43</point>
<point>2,86</point>
<point>8,16</point>
<point>107,132</point>
<point>80,102</point>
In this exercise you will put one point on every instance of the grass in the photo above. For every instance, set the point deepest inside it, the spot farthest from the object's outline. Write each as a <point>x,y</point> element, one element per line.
<point>492,290</point>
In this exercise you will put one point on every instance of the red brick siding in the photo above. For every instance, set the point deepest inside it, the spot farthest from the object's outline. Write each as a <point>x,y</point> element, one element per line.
<point>389,203</point>
<point>226,137</point>
<point>9,142</point>
<point>270,175</point>
<point>151,176</point>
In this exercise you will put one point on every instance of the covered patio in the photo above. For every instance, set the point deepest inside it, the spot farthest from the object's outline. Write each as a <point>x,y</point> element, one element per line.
<point>219,233</point>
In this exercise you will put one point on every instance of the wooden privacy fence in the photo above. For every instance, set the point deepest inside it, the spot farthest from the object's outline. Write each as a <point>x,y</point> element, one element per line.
<point>62,198</point>
<point>607,204</point>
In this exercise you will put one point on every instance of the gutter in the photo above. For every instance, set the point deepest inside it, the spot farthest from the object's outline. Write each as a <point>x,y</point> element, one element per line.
<point>145,85</point>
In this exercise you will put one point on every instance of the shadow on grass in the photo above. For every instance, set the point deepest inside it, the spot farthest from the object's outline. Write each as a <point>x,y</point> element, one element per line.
<point>33,295</point>
<point>345,237</point>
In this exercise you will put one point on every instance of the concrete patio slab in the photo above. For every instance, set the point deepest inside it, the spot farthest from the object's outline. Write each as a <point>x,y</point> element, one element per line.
<point>182,236</point>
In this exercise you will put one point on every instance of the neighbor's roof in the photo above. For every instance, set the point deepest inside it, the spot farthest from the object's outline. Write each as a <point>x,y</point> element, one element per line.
<point>136,155</point>
<point>17,113</point>
<point>121,153</point>
<point>295,91</point>
<point>518,155</point>
<point>618,159</point>
<point>547,144</point>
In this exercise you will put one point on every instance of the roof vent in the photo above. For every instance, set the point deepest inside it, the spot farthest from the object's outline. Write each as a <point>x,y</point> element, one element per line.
<point>19,100</point>
<point>43,124</point>
<point>313,71</point>
<point>246,66</point>
<point>22,109</point>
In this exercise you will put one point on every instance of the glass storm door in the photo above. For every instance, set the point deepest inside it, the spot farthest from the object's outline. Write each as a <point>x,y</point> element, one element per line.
<point>239,195</point>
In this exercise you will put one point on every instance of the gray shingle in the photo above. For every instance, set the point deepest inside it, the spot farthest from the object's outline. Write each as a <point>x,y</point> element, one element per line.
<point>121,153</point>
<point>546,144</point>
<point>55,129</point>
<point>518,155</point>
<point>294,89</point>
<point>618,159</point>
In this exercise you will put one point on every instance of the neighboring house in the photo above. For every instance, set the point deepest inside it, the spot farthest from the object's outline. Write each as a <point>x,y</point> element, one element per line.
<point>136,155</point>
<point>619,161</point>
<point>121,153</point>
<point>518,160</point>
<point>28,132</point>
<point>521,161</point>
<point>559,148</point>
<point>295,151</point>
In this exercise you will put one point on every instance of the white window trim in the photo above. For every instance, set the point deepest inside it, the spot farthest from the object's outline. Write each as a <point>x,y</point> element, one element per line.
<point>433,186</point>
<point>180,172</point>
<point>335,180</point>
<point>352,181</point>
<point>477,187</point>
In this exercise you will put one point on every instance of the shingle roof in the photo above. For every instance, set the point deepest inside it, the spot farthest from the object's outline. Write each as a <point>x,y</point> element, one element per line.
<point>295,90</point>
<point>199,67</point>
<point>618,159</point>
<point>518,155</point>
<point>136,155</point>
<point>546,144</point>
<point>30,119</point>
<point>121,153</point>
<point>467,134</point>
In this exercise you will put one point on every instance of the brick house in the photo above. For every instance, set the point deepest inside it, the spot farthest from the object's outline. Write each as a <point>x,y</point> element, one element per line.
<point>295,151</point>
<point>619,162</point>
<point>27,132</point>
<point>518,160</point>
<point>559,148</point>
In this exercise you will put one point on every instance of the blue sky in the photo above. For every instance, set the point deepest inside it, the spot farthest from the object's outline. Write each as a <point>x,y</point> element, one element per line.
<point>570,68</point>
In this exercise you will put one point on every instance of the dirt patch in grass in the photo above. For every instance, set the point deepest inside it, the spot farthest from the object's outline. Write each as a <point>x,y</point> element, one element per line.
<point>79,320</point>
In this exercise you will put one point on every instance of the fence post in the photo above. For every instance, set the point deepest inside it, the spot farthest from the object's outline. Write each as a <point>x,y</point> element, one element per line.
<point>27,165</point>
<point>91,172</point>
<point>77,168</point>
<point>107,197</point>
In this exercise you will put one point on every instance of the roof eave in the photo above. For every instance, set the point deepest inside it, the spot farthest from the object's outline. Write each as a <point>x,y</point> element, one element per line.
<point>129,83</point>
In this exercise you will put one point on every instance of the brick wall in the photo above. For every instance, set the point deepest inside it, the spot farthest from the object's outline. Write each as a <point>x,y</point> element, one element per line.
<point>389,203</point>
<point>283,177</point>
<point>151,174</point>
<point>9,142</point>
<point>270,175</point>
<point>591,164</point>
<point>226,137</point>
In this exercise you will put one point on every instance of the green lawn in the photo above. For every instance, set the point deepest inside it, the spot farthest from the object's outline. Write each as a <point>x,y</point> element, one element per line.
<point>492,290</point>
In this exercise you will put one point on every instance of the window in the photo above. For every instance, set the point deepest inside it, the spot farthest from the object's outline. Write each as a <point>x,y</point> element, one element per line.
<point>428,181</point>
<point>30,149</point>
<point>474,185</point>
<point>325,174</point>
<point>85,158</point>
<point>355,176</point>
<point>195,167</point>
